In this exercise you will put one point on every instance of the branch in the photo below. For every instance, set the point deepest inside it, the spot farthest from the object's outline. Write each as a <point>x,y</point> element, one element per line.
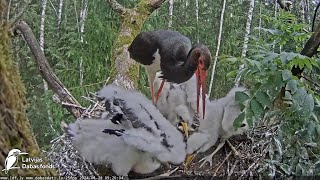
<point>155,4</point>
<point>18,17</point>
<point>117,7</point>
<point>8,9</point>
<point>46,71</point>
<point>312,44</point>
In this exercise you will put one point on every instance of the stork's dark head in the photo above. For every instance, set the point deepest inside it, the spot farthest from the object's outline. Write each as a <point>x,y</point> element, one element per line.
<point>204,62</point>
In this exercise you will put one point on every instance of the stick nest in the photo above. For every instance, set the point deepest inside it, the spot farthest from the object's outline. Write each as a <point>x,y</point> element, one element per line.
<point>243,156</point>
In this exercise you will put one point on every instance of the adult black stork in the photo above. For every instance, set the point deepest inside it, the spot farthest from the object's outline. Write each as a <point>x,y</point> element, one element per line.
<point>172,53</point>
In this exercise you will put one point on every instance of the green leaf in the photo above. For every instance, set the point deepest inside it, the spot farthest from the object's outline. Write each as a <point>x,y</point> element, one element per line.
<point>286,74</point>
<point>264,99</point>
<point>287,96</point>
<point>278,80</point>
<point>308,63</point>
<point>290,56</point>
<point>241,97</point>
<point>292,86</point>
<point>304,101</point>
<point>270,57</point>
<point>256,107</point>
<point>238,121</point>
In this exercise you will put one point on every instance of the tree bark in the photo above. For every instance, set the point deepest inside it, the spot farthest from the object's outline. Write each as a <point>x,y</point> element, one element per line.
<point>171,3</point>
<point>124,70</point>
<point>197,18</point>
<point>60,6</point>
<point>15,131</point>
<point>83,16</point>
<point>218,47</point>
<point>245,41</point>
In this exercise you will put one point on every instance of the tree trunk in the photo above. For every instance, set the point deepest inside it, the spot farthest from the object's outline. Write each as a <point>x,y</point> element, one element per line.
<point>171,2</point>
<point>245,41</point>
<point>83,16</point>
<point>15,131</point>
<point>218,46</point>
<point>60,6</point>
<point>275,16</point>
<point>197,18</point>
<point>125,71</point>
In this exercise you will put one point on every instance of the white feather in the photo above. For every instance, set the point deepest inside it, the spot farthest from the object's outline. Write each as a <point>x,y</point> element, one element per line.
<point>218,122</point>
<point>140,146</point>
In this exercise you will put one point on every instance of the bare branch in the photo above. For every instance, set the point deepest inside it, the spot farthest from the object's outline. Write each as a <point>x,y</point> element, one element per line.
<point>8,9</point>
<point>155,4</point>
<point>18,17</point>
<point>46,71</point>
<point>117,7</point>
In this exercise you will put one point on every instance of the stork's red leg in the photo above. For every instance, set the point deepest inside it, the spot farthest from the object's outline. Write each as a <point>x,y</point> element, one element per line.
<point>159,91</point>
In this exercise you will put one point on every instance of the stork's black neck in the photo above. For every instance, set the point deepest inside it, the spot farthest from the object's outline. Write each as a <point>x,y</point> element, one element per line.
<point>183,71</point>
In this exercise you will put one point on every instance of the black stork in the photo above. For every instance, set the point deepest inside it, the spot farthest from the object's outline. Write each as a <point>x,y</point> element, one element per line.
<point>173,54</point>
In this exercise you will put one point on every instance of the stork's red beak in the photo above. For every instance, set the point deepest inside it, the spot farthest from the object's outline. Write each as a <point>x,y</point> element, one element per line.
<point>201,84</point>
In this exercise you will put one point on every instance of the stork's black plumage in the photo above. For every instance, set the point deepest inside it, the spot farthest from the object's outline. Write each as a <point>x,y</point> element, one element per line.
<point>173,54</point>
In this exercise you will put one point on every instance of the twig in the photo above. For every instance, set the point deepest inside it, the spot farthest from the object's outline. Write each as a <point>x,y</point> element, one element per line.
<point>18,17</point>
<point>155,4</point>
<point>252,165</point>
<point>236,153</point>
<point>313,83</point>
<point>233,167</point>
<point>215,173</point>
<point>92,84</point>
<point>55,10</point>
<point>117,7</point>
<point>8,10</point>
<point>73,105</point>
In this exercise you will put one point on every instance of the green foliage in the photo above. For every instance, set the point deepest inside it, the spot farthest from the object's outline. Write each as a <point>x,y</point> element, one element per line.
<point>271,81</point>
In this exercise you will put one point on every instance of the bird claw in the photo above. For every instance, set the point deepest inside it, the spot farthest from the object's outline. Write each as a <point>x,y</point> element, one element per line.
<point>209,158</point>
<point>206,159</point>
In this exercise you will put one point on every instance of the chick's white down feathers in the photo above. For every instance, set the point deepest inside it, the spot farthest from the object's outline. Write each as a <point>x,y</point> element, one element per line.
<point>180,101</point>
<point>218,122</point>
<point>133,136</point>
